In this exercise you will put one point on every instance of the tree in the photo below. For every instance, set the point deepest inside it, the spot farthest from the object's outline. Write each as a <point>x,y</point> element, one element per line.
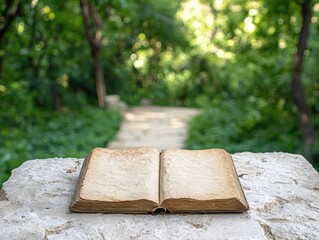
<point>305,122</point>
<point>92,20</point>
<point>10,11</point>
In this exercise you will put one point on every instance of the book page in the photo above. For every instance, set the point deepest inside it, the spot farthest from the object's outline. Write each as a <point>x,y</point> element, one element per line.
<point>120,180</point>
<point>199,180</point>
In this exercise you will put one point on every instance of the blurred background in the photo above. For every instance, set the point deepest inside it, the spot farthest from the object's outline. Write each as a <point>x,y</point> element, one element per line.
<point>251,66</point>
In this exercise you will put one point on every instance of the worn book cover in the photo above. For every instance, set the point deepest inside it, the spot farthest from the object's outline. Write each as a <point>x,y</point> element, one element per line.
<point>145,180</point>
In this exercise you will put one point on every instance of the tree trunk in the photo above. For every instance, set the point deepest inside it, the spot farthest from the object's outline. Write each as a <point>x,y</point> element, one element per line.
<point>299,96</point>
<point>99,80</point>
<point>90,15</point>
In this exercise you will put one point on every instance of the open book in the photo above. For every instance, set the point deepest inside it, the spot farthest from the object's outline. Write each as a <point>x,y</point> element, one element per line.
<point>144,180</point>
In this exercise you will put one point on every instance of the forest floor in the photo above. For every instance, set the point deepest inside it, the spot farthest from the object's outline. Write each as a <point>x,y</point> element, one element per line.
<point>154,126</point>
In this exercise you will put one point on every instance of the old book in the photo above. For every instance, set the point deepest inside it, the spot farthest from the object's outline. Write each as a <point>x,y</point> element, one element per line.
<point>144,180</point>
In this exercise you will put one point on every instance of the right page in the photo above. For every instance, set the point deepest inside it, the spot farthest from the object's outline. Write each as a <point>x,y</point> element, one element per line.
<point>200,181</point>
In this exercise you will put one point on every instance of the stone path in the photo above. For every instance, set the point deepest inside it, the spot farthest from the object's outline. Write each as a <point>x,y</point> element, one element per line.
<point>160,127</point>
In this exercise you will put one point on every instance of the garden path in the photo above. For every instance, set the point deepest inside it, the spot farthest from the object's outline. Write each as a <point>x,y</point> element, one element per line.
<point>155,126</point>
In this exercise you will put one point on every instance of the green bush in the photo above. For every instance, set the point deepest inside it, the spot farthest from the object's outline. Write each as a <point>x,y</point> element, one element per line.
<point>64,133</point>
<point>249,125</point>
<point>244,126</point>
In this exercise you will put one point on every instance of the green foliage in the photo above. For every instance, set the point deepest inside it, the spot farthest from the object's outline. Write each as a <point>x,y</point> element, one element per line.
<point>244,82</point>
<point>244,125</point>
<point>46,75</point>
<point>43,134</point>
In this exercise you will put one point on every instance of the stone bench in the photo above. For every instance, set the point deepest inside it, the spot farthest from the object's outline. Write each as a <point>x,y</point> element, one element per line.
<point>282,190</point>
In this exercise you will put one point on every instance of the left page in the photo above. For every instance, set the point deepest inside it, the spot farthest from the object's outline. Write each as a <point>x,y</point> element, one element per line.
<point>118,181</point>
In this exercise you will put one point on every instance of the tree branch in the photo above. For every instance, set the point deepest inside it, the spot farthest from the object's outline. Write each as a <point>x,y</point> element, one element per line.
<point>9,4</point>
<point>86,18</point>
<point>98,23</point>
<point>96,17</point>
<point>9,17</point>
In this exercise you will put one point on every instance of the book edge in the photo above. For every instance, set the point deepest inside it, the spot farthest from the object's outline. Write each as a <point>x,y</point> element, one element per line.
<point>77,192</point>
<point>96,206</point>
<point>242,198</point>
<point>167,205</point>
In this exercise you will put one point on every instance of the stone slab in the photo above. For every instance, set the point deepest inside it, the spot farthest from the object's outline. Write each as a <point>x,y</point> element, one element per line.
<point>282,190</point>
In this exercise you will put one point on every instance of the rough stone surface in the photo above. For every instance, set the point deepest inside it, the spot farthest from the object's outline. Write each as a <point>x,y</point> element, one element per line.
<point>160,127</point>
<point>282,190</point>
